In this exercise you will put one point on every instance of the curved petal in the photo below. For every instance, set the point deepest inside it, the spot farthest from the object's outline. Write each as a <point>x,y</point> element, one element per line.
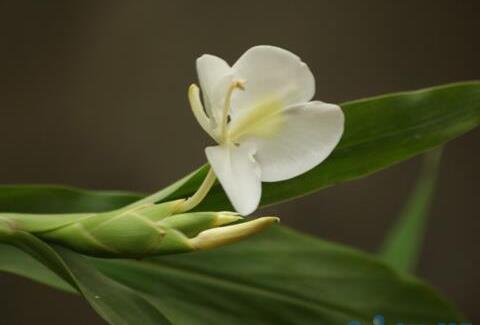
<point>271,74</point>
<point>239,175</point>
<point>309,134</point>
<point>215,76</point>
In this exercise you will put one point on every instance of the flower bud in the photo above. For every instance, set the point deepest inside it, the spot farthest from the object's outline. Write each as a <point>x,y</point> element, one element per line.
<point>216,237</point>
<point>144,230</point>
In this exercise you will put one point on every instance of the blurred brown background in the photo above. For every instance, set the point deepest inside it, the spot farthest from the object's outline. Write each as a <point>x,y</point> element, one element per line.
<point>93,94</point>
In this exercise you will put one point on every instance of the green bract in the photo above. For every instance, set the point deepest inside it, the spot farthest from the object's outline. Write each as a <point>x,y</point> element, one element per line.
<point>149,229</point>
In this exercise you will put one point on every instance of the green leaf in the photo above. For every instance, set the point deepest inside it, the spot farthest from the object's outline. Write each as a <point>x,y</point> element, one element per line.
<point>402,246</point>
<point>14,260</point>
<point>53,198</point>
<point>379,132</point>
<point>278,277</point>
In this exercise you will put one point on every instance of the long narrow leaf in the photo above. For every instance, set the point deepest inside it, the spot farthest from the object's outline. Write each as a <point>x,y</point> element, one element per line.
<point>403,244</point>
<point>379,132</point>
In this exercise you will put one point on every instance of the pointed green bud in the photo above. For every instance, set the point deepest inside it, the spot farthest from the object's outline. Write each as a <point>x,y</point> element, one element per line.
<point>226,217</point>
<point>193,223</point>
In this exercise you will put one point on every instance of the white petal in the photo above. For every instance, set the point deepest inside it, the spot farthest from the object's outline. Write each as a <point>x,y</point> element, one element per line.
<point>239,175</point>
<point>215,76</point>
<point>271,74</point>
<point>308,135</point>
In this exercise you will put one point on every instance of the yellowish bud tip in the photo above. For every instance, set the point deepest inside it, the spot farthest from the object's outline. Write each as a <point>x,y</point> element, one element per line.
<point>225,218</point>
<point>216,237</point>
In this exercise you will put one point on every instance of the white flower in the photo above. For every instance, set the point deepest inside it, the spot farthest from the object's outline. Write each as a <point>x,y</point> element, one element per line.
<point>260,114</point>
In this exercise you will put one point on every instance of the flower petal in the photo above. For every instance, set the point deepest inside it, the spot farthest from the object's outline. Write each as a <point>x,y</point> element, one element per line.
<point>239,175</point>
<point>215,76</point>
<point>309,134</point>
<point>271,74</point>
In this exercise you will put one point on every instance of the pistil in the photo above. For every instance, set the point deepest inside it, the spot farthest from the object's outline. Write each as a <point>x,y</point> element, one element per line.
<point>236,84</point>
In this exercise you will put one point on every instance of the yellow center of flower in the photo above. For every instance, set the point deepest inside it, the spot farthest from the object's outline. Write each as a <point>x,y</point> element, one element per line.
<point>263,119</point>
